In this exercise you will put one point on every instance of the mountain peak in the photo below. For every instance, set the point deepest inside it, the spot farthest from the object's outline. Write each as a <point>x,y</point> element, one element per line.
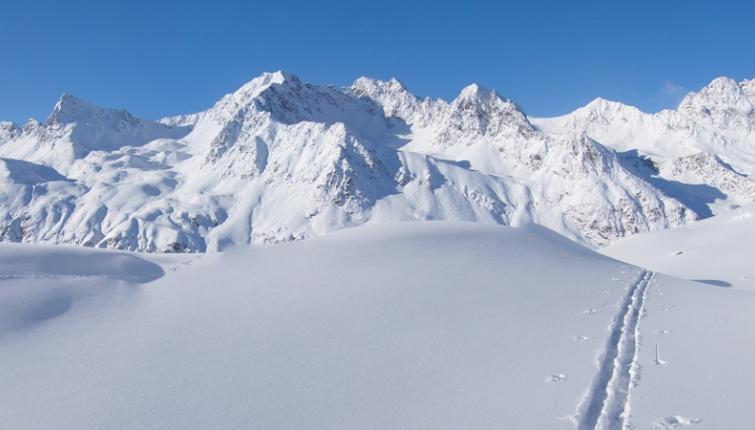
<point>395,83</point>
<point>602,105</point>
<point>279,77</point>
<point>391,95</point>
<point>252,89</point>
<point>600,101</point>
<point>477,95</point>
<point>475,91</point>
<point>718,88</point>
<point>723,83</point>
<point>69,108</point>
<point>722,94</point>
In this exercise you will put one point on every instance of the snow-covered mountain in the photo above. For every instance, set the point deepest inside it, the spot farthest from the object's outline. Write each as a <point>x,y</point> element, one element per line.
<point>703,152</point>
<point>74,129</point>
<point>281,159</point>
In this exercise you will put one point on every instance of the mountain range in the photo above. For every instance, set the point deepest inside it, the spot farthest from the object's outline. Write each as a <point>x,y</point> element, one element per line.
<point>281,159</point>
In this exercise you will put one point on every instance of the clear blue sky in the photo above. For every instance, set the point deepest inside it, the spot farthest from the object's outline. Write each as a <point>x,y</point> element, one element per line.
<point>167,57</point>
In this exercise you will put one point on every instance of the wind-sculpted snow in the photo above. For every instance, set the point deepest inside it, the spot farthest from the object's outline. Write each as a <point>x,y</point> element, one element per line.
<point>281,159</point>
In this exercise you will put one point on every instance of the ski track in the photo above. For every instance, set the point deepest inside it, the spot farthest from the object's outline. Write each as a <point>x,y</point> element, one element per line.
<point>607,403</point>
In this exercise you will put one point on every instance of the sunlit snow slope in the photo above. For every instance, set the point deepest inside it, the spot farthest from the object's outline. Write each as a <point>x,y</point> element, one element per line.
<point>718,251</point>
<point>415,326</point>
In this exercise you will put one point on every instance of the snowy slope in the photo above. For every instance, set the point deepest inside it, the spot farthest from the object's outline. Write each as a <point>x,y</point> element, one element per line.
<point>717,250</point>
<point>702,151</point>
<point>415,325</point>
<point>282,160</point>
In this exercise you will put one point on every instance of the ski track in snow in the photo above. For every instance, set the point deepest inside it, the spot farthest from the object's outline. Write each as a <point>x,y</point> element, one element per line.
<point>607,403</point>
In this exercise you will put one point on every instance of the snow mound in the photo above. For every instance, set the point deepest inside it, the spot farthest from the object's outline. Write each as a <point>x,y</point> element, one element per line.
<point>18,261</point>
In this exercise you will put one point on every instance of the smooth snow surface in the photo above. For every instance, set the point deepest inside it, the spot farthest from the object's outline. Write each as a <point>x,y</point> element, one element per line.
<point>414,326</point>
<point>696,355</point>
<point>717,251</point>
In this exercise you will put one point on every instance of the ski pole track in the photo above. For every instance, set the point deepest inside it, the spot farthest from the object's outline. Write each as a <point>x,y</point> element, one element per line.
<point>606,406</point>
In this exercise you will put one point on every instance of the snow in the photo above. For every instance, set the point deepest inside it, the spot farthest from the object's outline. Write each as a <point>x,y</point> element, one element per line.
<point>280,159</point>
<point>717,251</point>
<point>23,172</point>
<point>409,325</point>
<point>703,148</point>
<point>376,322</point>
<point>419,325</point>
<point>704,337</point>
<point>75,128</point>
<point>697,336</point>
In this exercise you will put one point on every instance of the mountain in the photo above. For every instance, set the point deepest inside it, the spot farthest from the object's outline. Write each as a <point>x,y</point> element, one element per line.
<point>474,326</point>
<point>74,129</point>
<point>281,159</point>
<point>592,190</point>
<point>701,152</point>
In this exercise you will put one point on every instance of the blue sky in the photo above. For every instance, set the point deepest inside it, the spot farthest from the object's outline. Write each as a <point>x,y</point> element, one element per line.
<point>159,58</point>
